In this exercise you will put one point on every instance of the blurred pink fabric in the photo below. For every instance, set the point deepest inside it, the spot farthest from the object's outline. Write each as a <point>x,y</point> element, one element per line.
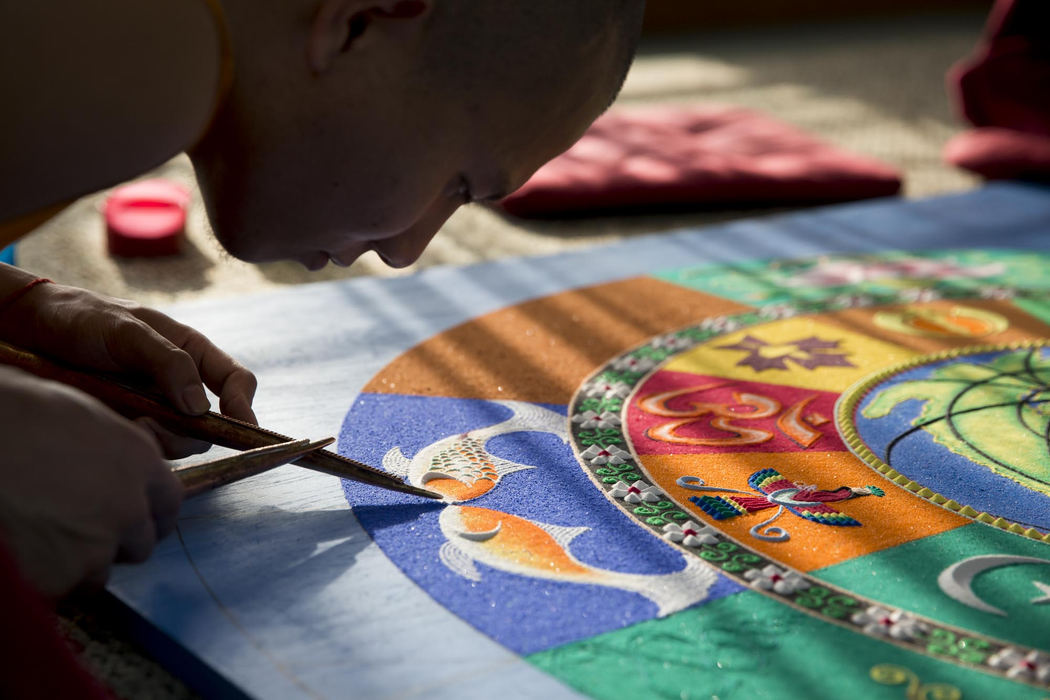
<point>677,157</point>
<point>1003,89</point>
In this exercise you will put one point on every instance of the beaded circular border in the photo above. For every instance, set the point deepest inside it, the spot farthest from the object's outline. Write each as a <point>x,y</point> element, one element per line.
<point>597,414</point>
<point>850,399</point>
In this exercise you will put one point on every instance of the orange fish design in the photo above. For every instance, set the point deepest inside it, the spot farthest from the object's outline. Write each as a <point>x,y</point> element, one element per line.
<point>460,468</point>
<point>519,546</point>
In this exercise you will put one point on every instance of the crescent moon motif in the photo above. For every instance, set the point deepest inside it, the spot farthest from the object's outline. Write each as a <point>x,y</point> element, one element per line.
<point>956,581</point>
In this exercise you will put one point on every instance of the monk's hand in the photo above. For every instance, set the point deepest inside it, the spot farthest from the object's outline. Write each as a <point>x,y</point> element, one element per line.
<point>80,486</point>
<point>92,331</point>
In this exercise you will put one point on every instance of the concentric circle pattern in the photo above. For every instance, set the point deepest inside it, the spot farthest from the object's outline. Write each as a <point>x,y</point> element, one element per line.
<point>841,459</point>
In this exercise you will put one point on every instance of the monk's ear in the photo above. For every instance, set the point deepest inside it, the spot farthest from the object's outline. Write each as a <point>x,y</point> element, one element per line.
<point>344,25</point>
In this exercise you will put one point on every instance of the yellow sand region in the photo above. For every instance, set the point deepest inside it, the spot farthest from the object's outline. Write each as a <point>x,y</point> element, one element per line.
<point>864,355</point>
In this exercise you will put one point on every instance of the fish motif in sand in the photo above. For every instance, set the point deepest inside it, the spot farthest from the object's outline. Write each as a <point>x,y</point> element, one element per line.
<point>539,550</point>
<point>460,467</point>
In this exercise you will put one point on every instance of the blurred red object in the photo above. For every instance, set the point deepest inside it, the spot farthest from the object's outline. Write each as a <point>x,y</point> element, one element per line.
<point>673,157</point>
<point>35,661</point>
<point>1003,89</point>
<point>146,218</point>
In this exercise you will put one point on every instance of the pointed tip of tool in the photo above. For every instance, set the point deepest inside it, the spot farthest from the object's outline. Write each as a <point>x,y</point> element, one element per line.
<point>427,494</point>
<point>318,444</point>
<point>404,487</point>
<point>346,468</point>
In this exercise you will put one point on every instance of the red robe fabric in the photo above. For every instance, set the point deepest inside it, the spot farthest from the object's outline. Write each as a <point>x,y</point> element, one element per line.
<point>1003,89</point>
<point>35,662</point>
<point>674,157</point>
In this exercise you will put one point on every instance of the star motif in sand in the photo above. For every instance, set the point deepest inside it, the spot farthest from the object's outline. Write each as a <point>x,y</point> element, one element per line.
<point>808,353</point>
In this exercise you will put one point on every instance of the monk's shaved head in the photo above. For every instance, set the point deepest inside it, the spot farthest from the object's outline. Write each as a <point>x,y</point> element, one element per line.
<point>491,34</point>
<point>358,125</point>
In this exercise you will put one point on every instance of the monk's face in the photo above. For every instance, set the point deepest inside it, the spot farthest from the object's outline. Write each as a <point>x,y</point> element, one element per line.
<point>375,151</point>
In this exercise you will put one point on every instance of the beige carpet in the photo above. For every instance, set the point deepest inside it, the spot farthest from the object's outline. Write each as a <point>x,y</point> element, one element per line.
<point>875,87</point>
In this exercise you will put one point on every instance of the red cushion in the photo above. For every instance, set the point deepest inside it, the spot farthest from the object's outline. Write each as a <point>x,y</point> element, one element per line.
<point>998,154</point>
<point>1004,88</point>
<point>700,156</point>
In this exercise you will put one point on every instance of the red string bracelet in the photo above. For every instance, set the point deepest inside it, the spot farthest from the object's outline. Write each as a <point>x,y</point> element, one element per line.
<point>14,296</point>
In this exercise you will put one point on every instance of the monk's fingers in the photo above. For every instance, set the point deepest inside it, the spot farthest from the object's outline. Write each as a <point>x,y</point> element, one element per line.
<point>231,381</point>
<point>137,542</point>
<point>135,346</point>
<point>173,446</point>
<point>237,393</point>
<point>165,493</point>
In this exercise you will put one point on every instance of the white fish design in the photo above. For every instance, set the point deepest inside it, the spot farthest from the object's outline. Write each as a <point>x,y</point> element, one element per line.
<point>539,550</point>
<point>460,467</point>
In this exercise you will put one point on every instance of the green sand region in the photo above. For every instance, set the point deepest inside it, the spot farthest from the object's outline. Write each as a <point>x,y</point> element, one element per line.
<point>1040,308</point>
<point>906,576</point>
<point>764,282</point>
<point>750,646</point>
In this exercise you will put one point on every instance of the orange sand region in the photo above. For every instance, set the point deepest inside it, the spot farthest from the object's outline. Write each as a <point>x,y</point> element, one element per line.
<point>521,542</point>
<point>893,519</point>
<point>1022,326</point>
<point>542,350</point>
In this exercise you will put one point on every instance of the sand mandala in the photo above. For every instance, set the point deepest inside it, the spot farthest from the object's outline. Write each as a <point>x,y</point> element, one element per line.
<point>779,479</point>
<point>975,416</point>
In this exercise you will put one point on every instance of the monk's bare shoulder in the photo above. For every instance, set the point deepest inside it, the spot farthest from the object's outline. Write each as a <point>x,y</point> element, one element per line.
<point>98,92</point>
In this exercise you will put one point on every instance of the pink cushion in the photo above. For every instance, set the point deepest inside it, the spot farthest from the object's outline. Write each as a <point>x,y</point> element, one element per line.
<point>701,156</point>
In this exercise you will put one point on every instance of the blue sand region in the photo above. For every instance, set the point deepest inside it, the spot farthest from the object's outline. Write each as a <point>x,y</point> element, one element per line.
<point>921,459</point>
<point>524,614</point>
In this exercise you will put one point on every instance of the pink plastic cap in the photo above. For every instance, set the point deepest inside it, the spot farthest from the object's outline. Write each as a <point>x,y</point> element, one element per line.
<point>146,218</point>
